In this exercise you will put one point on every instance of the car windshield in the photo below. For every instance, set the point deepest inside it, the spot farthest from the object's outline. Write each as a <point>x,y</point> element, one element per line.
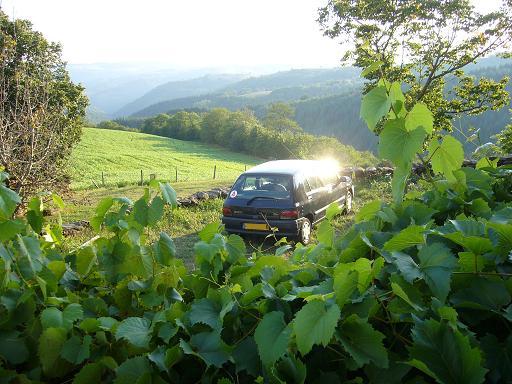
<point>263,186</point>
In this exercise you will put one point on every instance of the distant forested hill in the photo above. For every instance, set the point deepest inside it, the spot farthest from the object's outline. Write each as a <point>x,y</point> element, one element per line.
<point>284,86</point>
<point>338,116</point>
<point>327,107</point>
<point>179,89</point>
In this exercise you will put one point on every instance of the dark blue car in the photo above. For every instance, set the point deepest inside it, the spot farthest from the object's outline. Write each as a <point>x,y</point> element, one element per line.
<point>289,196</point>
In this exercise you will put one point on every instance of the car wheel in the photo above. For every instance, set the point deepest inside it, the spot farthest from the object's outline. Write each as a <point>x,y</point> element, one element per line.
<point>348,202</point>
<point>305,231</point>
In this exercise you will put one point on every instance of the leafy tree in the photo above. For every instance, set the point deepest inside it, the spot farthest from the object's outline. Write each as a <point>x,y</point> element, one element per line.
<point>505,139</point>
<point>279,117</point>
<point>114,125</point>
<point>213,124</point>
<point>424,44</point>
<point>41,110</point>
<point>157,125</point>
<point>184,125</point>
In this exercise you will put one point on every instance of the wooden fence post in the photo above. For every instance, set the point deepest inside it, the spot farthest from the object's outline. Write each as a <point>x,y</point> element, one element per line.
<point>245,167</point>
<point>214,171</point>
<point>102,179</point>
<point>176,174</point>
<point>141,179</point>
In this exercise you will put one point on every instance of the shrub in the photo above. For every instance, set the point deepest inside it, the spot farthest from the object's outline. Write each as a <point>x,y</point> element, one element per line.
<point>414,290</point>
<point>41,110</point>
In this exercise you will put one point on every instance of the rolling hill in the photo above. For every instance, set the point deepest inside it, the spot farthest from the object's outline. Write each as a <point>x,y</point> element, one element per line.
<point>179,89</point>
<point>122,155</point>
<point>330,108</point>
<point>285,86</point>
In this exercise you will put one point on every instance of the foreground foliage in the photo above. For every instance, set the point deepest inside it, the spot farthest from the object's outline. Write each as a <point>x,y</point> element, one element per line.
<point>415,289</point>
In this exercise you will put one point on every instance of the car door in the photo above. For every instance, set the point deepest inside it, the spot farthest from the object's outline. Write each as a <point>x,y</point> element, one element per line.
<point>336,188</point>
<point>316,196</point>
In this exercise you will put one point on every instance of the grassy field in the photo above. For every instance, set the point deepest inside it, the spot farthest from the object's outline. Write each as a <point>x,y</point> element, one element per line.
<point>122,155</point>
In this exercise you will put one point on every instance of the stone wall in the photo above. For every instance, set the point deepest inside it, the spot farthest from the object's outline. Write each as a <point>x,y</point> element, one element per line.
<point>359,173</point>
<point>69,229</point>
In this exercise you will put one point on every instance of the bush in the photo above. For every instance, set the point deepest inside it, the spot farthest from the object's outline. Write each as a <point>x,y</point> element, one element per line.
<point>41,110</point>
<point>415,291</point>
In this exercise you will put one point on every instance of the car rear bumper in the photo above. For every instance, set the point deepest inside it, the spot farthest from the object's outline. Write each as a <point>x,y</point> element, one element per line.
<point>284,227</point>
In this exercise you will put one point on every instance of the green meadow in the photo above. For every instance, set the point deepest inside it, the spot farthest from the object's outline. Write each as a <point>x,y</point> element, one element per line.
<point>120,156</point>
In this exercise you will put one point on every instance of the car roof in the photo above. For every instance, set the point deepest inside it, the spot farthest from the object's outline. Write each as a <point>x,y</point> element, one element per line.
<point>286,167</point>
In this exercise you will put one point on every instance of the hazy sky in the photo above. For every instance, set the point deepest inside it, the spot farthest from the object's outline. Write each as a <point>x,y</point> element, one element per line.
<point>185,33</point>
<point>195,33</point>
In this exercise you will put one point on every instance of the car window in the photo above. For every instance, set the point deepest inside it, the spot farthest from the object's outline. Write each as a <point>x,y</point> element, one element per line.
<point>314,182</point>
<point>249,186</point>
<point>329,179</point>
<point>302,186</point>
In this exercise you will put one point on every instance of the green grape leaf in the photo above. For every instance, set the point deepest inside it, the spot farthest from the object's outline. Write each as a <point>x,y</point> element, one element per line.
<point>482,294</point>
<point>290,369</point>
<point>447,156</point>
<point>75,351</point>
<point>368,211</point>
<point>498,357</point>
<point>325,233</point>
<point>51,317</point>
<point>407,266</point>
<point>207,312</point>
<point>362,342</point>
<point>408,237</point>
<point>51,342</point>
<point>135,330</point>
<point>371,68</point>
<point>444,353</point>
<point>398,144</point>
<point>246,356</point>
<point>272,336</point>
<point>169,195</point>
<point>30,256</point>
<point>314,324</point>
<point>140,212</point>
<point>374,106</point>
<point>420,116</point>
<point>8,202</point>
<point>9,229</point>
<point>155,210</point>
<point>101,210</point>
<point>332,210</point>
<point>35,214</point>
<point>13,347</point>
<point>399,181</point>
<point>85,259</point>
<point>132,370</point>
<point>209,231</point>
<point>70,314</point>
<point>90,373</point>
<point>158,357</point>
<point>164,249</point>
<point>436,264</point>
<point>209,347</point>
<point>235,247</point>
<point>407,292</point>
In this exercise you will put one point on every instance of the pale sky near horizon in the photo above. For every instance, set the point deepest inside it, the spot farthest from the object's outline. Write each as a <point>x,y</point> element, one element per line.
<point>191,33</point>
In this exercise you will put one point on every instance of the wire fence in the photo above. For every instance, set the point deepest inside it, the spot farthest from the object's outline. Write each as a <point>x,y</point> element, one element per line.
<point>105,179</point>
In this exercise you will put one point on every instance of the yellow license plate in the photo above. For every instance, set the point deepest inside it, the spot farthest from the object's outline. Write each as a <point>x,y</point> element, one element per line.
<point>256,226</point>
